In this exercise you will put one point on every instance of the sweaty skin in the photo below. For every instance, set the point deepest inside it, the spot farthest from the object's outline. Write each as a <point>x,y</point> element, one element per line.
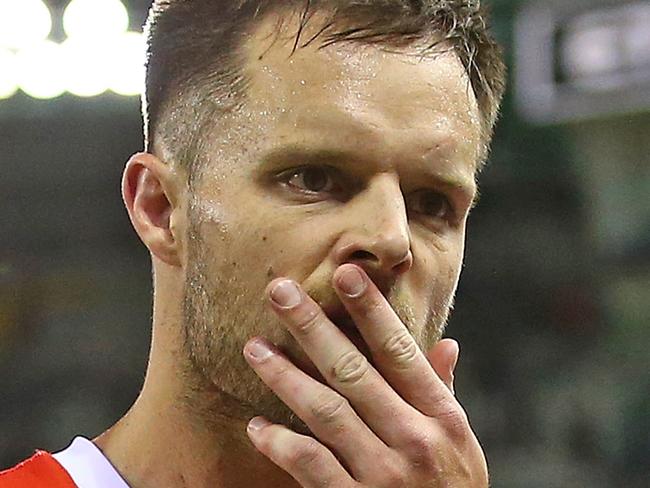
<point>394,139</point>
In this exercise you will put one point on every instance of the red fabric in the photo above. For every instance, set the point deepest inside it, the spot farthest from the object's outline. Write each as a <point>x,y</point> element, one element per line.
<point>39,471</point>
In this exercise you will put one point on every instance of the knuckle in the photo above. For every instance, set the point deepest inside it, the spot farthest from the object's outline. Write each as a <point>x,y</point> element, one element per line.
<point>303,453</point>
<point>420,442</point>
<point>307,320</point>
<point>401,348</point>
<point>350,368</point>
<point>329,408</point>
<point>372,303</point>
<point>456,423</point>
<point>279,373</point>
<point>453,420</point>
<point>423,451</point>
<point>392,474</point>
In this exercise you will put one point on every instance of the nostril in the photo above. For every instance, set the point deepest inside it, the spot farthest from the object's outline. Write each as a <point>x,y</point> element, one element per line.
<point>404,266</point>
<point>363,255</point>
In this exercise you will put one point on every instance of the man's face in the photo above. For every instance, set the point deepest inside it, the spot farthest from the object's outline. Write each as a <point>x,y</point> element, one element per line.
<point>344,154</point>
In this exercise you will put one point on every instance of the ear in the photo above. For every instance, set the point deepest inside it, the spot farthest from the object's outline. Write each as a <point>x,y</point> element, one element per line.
<point>151,193</point>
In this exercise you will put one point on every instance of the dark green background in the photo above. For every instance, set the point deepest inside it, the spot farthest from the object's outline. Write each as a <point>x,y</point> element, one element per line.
<point>552,312</point>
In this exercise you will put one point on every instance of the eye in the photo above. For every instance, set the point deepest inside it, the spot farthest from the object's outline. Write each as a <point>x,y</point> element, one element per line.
<point>431,204</point>
<point>312,179</point>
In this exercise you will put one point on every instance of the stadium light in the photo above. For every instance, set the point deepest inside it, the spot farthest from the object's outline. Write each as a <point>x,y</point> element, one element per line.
<point>95,19</point>
<point>85,66</point>
<point>23,23</point>
<point>8,82</point>
<point>589,51</point>
<point>40,70</point>
<point>582,60</point>
<point>99,53</point>
<point>126,65</point>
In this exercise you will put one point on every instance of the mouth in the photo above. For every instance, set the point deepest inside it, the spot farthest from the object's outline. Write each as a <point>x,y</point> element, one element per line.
<point>340,317</point>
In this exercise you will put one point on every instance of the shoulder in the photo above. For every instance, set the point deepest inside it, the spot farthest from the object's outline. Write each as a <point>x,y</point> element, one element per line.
<point>39,471</point>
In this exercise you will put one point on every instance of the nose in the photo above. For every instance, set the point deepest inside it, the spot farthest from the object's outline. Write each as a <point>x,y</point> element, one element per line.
<point>377,236</point>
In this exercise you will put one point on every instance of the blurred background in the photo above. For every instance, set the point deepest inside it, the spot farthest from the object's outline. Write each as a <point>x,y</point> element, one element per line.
<point>553,310</point>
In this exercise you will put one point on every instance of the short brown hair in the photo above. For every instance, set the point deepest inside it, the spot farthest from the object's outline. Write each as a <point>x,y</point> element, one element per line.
<point>194,63</point>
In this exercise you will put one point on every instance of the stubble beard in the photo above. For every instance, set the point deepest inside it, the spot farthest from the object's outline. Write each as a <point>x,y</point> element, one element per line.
<point>221,314</point>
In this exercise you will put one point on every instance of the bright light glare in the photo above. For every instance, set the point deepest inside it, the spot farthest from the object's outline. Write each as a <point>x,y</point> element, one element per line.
<point>126,65</point>
<point>85,67</point>
<point>23,23</point>
<point>99,19</point>
<point>592,51</point>
<point>98,54</point>
<point>8,83</point>
<point>40,70</point>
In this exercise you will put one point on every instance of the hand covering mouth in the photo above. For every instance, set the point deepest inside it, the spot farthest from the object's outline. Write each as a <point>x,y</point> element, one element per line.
<point>340,317</point>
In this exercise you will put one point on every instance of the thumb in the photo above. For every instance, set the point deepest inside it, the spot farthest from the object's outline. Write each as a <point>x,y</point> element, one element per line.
<point>444,357</point>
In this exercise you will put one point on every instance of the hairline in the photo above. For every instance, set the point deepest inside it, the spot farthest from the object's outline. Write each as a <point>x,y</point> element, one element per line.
<point>237,93</point>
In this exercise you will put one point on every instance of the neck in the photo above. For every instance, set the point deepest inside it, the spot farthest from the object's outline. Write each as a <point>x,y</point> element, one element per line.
<point>181,431</point>
<point>161,442</point>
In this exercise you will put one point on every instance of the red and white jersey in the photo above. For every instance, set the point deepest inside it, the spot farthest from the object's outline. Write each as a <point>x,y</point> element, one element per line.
<point>80,465</point>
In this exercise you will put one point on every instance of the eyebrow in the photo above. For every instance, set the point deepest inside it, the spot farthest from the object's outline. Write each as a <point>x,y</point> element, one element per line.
<point>301,154</point>
<point>293,151</point>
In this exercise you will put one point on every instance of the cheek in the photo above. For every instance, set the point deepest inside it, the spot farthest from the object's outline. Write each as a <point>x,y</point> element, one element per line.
<point>436,273</point>
<point>288,241</point>
<point>258,243</point>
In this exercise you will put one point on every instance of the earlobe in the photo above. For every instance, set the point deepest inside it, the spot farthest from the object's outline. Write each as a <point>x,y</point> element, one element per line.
<point>150,195</point>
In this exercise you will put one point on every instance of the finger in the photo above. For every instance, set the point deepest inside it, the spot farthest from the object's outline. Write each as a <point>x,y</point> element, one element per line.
<point>443,356</point>
<point>394,350</point>
<point>308,461</point>
<point>341,363</point>
<point>327,414</point>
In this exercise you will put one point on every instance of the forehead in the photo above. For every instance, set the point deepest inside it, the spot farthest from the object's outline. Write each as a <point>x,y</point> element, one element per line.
<point>360,94</point>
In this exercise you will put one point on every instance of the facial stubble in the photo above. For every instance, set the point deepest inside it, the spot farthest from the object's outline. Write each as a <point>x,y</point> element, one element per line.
<point>223,308</point>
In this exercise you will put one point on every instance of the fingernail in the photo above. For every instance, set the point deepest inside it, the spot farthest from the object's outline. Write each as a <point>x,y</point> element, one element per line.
<point>258,350</point>
<point>286,294</point>
<point>351,282</point>
<point>257,423</point>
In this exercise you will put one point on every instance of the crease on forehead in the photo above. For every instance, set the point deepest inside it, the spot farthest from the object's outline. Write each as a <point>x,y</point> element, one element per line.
<point>285,32</point>
<point>343,129</point>
<point>358,73</point>
<point>357,61</point>
<point>347,81</point>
